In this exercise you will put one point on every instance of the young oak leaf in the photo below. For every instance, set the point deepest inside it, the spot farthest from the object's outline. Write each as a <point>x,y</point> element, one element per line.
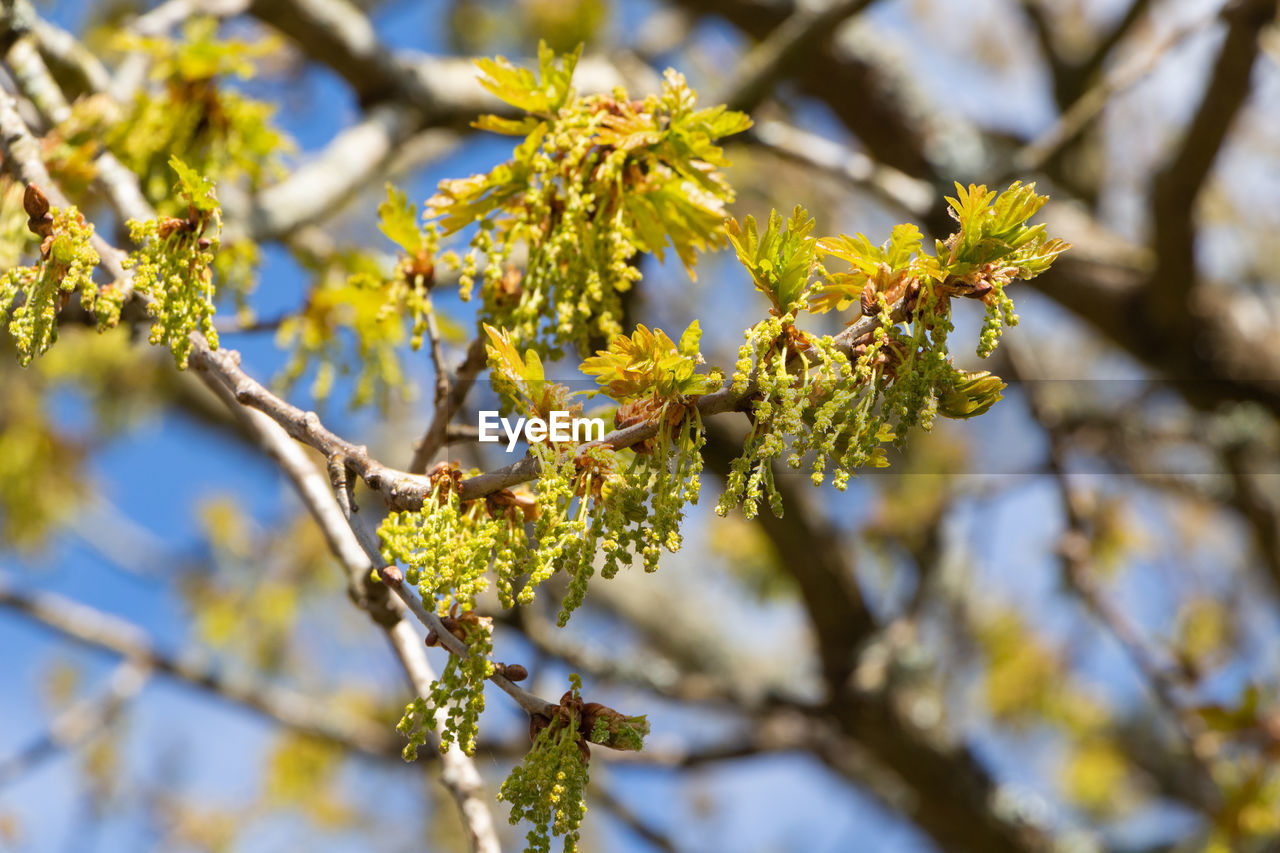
<point>780,260</point>
<point>541,95</point>
<point>882,266</point>
<point>194,187</point>
<point>649,364</point>
<point>993,229</point>
<point>398,220</point>
<point>522,380</point>
<point>459,202</point>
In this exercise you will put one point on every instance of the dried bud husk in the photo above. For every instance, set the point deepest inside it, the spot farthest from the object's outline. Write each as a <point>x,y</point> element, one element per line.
<point>867,300</point>
<point>445,478</point>
<point>515,507</point>
<point>420,267</point>
<point>34,202</point>
<point>981,289</point>
<point>39,219</point>
<point>170,226</point>
<point>537,722</point>
<point>634,412</point>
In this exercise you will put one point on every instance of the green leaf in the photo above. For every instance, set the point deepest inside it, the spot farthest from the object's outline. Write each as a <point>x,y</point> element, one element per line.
<point>780,261</point>
<point>194,187</point>
<point>522,89</point>
<point>649,365</point>
<point>506,126</point>
<point>398,220</point>
<point>689,340</point>
<point>966,395</point>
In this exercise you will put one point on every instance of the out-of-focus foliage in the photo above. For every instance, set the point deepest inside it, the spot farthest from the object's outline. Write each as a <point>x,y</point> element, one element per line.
<point>355,300</point>
<point>41,478</point>
<point>195,116</point>
<point>484,26</point>
<point>301,773</point>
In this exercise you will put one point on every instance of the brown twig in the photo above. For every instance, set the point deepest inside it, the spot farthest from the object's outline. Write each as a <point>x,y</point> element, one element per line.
<point>1081,577</point>
<point>447,404</point>
<point>78,723</point>
<point>91,627</point>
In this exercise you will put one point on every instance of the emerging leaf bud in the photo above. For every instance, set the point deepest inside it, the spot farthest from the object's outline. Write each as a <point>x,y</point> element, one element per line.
<point>968,395</point>
<point>610,728</point>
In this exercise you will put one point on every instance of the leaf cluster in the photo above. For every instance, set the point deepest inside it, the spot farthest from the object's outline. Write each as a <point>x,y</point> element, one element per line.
<point>811,398</point>
<point>596,181</point>
<point>521,380</point>
<point>781,260</point>
<point>222,134</point>
<point>647,364</point>
<point>882,269</point>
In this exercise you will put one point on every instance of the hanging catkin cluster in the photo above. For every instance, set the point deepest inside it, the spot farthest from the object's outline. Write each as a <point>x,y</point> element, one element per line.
<point>597,180</point>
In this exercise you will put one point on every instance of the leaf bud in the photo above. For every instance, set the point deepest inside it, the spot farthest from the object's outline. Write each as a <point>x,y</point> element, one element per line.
<point>512,671</point>
<point>968,395</point>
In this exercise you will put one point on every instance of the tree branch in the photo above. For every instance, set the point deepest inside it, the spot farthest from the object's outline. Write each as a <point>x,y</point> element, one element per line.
<point>458,772</point>
<point>448,404</point>
<point>443,91</point>
<point>95,629</point>
<point>1081,113</point>
<point>1080,576</point>
<point>804,30</point>
<point>78,723</point>
<point>1177,186</point>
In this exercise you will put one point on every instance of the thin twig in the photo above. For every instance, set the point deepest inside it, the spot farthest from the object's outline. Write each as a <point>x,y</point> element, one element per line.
<point>437,358</point>
<point>1081,577</point>
<point>909,195</point>
<point>805,30</point>
<point>1180,181</point>
<point>78,723</point>
<point>91,627</point>
<point>623,813</point>
<point>459,774</point>
<point>1073,121</point>
<point>394,579</point>
<point>448,405</point>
